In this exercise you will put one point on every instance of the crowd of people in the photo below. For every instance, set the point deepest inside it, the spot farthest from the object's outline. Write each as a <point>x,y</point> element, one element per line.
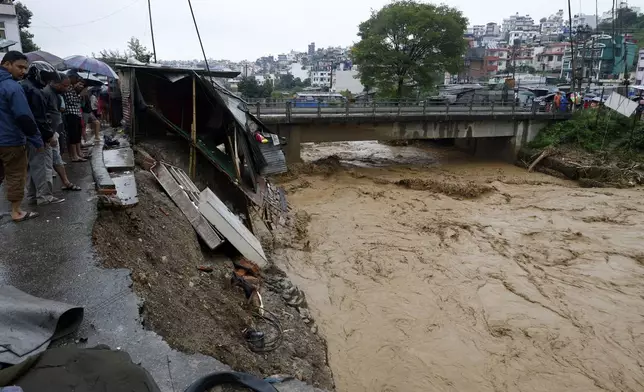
<point>43,113</point>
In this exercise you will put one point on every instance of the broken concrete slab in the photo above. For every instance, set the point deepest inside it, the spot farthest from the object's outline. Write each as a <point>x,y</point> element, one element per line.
<point>104,183</point>
<point>126,189</point>
<point>119,159</point>
<point>229,225</point>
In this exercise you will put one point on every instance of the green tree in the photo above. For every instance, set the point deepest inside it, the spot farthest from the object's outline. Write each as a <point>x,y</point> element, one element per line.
<point>24,16</point>
<point>406,42</point>
<point>627,21</point>
<point>134,49</point>
<point>138,51</point>
<point>250,88</point>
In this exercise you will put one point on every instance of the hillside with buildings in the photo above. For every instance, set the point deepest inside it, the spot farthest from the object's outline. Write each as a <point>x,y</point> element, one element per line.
<point>519,44</point>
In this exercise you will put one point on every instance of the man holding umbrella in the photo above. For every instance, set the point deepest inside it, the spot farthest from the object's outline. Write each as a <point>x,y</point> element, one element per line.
<point>40,180</point>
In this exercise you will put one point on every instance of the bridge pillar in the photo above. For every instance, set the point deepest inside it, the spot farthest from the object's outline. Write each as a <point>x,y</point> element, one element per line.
<point>293,146</point>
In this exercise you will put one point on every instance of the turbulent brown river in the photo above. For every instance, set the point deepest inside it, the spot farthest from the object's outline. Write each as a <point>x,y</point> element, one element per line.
<point>427,270</point>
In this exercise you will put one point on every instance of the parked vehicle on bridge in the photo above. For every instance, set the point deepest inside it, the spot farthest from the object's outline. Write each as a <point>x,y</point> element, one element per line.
<point>315,99</point>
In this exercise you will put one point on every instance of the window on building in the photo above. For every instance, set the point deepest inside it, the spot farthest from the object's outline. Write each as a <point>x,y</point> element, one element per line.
<point>3,33</point>
<point>559,58</point>
<point>640,69</point>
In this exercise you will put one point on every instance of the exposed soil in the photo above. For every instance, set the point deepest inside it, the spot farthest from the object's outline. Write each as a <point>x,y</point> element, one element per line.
<point>200,312</point>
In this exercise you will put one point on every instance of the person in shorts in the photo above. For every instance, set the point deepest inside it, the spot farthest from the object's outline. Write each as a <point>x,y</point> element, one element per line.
<point>17,128</point>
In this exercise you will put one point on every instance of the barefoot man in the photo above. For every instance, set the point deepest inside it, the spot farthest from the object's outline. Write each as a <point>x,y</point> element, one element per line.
<point>17,127</point>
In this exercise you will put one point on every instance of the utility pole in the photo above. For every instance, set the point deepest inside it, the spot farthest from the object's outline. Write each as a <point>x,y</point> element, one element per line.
<point>154,47</point>
<point>572,48</point>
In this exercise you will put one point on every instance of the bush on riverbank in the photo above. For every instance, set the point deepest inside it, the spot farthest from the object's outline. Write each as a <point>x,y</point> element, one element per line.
<point>593,131</point>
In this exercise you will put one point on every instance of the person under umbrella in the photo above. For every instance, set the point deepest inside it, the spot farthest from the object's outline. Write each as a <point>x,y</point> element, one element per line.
<point>73,117</point>
<point>41,170</point>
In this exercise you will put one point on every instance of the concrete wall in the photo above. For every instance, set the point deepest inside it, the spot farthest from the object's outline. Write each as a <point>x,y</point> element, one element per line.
<point>11,30</point>
<point>489,138</point>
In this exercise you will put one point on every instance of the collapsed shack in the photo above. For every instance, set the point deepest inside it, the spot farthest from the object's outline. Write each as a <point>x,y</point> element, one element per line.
<point>188,292</point>
<point>230,150</point>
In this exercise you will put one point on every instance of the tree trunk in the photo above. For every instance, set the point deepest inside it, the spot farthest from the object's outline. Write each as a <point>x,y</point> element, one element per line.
<point>401,81</point>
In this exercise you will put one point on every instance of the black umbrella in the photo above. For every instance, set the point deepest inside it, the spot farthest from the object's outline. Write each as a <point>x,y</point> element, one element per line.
<point>41,55</point>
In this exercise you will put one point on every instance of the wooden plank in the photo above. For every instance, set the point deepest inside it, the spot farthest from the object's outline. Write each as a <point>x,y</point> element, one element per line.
<point>189,209</point>
<point>231,227</point>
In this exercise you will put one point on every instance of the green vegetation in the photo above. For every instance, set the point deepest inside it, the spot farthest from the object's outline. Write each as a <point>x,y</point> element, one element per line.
<point>594,131</point>
<point>406,44</point>
<point>627,21</point>
<point>24,21</point>
<point>250,88</point>
<point>135,49</point>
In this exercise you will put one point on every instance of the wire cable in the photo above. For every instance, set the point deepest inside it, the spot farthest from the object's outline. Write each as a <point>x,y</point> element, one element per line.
<point>95,20</point>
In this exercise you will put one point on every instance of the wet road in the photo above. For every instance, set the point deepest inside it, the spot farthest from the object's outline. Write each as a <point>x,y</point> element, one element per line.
<point>52,257</point>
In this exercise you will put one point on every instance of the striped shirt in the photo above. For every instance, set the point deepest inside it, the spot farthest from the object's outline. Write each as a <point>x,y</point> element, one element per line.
<point>72,102</point>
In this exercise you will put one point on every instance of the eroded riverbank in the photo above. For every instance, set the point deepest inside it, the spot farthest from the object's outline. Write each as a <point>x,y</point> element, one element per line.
<point>535,285</point>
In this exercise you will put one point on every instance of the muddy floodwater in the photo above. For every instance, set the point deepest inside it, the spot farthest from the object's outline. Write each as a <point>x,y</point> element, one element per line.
<point>421,285</point>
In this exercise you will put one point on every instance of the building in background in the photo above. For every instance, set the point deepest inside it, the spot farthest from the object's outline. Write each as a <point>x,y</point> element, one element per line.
<point>519,23</point>
<point>311,49</point>
<point>549,58</point>
<point>9,29</point>
<point>478,30</point>
<point>606,60</point>
<point>639,72</point>
<point>492,29</point>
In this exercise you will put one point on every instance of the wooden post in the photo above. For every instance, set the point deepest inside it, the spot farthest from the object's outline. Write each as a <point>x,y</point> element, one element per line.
<point>235,156</point>
<point>193,151</point>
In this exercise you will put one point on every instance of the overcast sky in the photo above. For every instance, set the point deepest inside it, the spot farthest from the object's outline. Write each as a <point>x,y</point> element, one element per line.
<point>237,30</point>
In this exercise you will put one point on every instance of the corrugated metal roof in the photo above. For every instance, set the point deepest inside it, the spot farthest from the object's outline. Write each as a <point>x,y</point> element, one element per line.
<point>166,69</point>
<point>274,156</point>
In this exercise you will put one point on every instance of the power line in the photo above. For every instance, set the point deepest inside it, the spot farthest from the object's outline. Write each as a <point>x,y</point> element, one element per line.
<point>199,36</point>
<point>95,20</point>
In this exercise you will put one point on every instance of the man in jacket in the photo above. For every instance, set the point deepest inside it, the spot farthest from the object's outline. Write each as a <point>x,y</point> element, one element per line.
<point>40,177</point>
<point>16,126</point>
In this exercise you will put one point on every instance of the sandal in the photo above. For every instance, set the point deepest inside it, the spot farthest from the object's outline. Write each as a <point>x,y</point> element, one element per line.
<point>71,187</point>
<point>28,215</point>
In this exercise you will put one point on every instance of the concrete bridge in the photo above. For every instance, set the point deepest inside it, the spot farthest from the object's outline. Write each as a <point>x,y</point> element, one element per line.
<point>491,130</point>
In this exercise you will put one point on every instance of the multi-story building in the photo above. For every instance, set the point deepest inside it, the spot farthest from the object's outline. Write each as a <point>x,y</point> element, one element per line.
<point>639,71</point>
<point>478,30</point>
<point>606,59</point>
<point>492,29</point>
<point>549,58</point>
<point>311,49</point>
<point>581,20</point>
<point>554,24</point>
<point>9,25</point>
<point>519,23</point>
<point>321,77</point>
<point>523,37</point>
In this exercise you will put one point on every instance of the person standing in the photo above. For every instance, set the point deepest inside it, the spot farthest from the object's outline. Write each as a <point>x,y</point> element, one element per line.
<point>72,118</point>
<point>17,127</point>
<point>39,179</point>
<point>53,102</point>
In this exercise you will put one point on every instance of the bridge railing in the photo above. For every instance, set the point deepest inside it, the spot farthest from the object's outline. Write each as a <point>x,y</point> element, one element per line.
<point>287,108</point>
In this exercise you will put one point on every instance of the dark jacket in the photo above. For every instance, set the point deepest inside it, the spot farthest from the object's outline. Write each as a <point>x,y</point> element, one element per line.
<point>16,120</point>
<point>38,105</point>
